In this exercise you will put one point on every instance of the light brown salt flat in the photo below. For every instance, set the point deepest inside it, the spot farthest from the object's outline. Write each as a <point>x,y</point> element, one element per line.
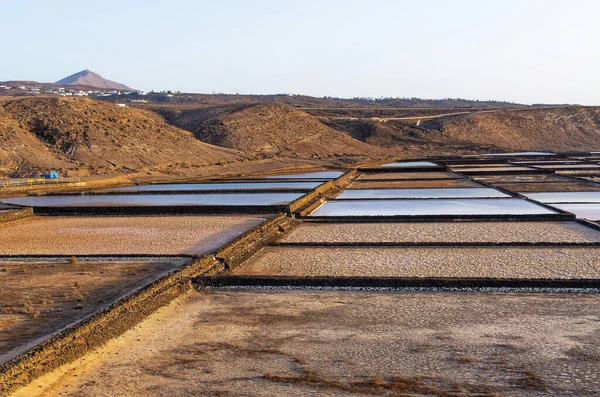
<point>348,343</point>
<point>529,262</point>
<point>415,232</point>
<point>155,235</point>
<point>40,298</point>
<point>551,187</point>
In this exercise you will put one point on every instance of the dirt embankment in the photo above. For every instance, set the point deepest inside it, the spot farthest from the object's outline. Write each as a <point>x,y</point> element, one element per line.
<point>270,130</point>
<point>556,129</point>
<point>90,137</point>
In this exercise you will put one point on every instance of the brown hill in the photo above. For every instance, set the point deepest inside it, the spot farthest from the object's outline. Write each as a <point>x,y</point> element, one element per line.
<point>93,137</point>
<point>556,129</point>
<point>269,130</point>
<point>91,79</point>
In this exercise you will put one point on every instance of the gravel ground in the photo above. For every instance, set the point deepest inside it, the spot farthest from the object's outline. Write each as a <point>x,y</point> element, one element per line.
<point>426,262</point>
<point>156,235</point>
<point>378,176</point>
<point>348,343</point>
<point>486,232</point>
<point>40,298</point>
<point>434,183</point>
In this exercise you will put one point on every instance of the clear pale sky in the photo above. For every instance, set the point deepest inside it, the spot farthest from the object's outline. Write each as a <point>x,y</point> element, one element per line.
<point>522,51</point>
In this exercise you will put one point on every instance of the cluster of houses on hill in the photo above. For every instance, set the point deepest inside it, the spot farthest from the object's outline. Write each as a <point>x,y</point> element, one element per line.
<point>7,89</point>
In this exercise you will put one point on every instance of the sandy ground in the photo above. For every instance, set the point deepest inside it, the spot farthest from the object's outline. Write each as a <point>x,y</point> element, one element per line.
<point>156,235</point>
<point>372,176</point>
<point>485,232</point>
<point>433,183</point>
<point>40,298</point>
<point>334,343</point>
<point>425,262</point>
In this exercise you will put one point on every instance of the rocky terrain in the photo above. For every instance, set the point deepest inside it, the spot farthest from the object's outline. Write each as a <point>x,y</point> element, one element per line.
<point>556,129</point>
<point>270,130</point>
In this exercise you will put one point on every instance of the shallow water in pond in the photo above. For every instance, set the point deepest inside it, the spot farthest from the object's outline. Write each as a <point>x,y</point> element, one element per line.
<point>410,164</point>
<point>156,200</point>
<point>217,186</point>
<point>565,197</point>
<point>421,193</point>
<point>507,206</point>
<point>309,175</point>
<point>584,211</point>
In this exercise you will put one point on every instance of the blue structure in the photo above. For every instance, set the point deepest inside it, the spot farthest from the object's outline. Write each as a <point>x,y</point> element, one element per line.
<point>50,175</point>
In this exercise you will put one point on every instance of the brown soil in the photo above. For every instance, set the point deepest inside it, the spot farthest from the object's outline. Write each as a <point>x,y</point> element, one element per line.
<point>343,343</point>
<point>40,298</point>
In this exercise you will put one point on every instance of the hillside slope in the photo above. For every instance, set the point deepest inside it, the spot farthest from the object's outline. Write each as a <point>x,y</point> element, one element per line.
<point>557,129</point>
<point>270,130</point>
<point>92,137</point>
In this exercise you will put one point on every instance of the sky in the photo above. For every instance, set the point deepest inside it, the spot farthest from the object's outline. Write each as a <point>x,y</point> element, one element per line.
<point>525,51</point>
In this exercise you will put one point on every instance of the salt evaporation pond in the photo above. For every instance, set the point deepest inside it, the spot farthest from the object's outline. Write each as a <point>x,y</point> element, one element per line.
<point>174,187</point>
<point>410,164</point>
<point>507,206</point>
<point>565,197</point>
<point>584,211</point>
<point>421,193</point>
<point>309,175</point>
<point>166,200</point>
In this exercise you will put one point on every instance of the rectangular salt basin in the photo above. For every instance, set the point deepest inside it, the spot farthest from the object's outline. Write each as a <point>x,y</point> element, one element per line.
<point>123,235</point>
<point>565,197</point>
<point>582,211</point>
<point>218,186</point>
<point>377,176</point>
<point>520,178</point>
<point>156,200</point>
<point>309,175</point>
<point>567,166</point>
<point>442,232</point>
<point>442,262</point>
<point>507,206</point>
<point>420,193</point>
<point>430,183</point>
<point>520,154</point>
<point>527,188</point>
<point>411,164</point>
<point>495,169</point>
<point>483,165</point>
